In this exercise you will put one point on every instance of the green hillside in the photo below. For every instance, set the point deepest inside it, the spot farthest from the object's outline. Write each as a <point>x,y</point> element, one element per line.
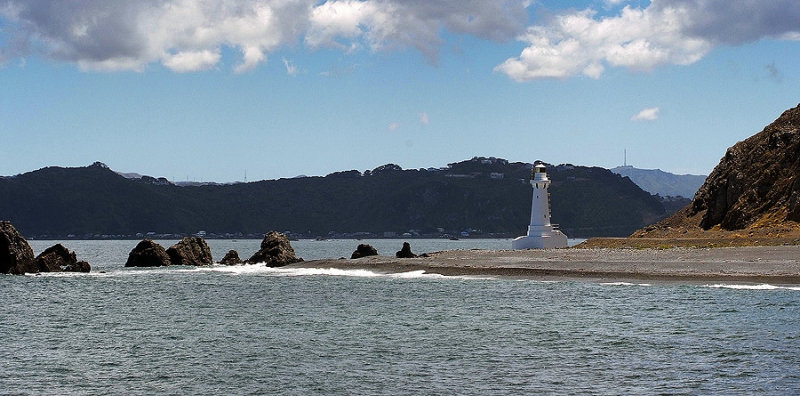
<point>483,196</point>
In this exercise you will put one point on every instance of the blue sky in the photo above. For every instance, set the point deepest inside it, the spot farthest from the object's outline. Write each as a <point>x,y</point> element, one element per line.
<point>208,90</point>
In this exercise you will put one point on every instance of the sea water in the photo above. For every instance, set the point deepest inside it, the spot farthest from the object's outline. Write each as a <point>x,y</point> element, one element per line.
<point>256,330</point>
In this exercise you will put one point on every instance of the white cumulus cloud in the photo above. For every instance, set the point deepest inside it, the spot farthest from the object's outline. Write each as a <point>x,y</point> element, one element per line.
<point>348,24</point>
<point>183,35</point>
<point>577,43</point>
<point>189,35</point>
<point>677,32</point>
<point>189,61</point>
<point>649,114</point>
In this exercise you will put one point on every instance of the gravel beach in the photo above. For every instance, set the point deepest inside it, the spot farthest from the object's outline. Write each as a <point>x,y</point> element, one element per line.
<point>759,264</point>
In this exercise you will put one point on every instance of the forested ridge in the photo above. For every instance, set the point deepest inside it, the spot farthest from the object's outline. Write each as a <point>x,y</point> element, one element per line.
<point>482,196</point>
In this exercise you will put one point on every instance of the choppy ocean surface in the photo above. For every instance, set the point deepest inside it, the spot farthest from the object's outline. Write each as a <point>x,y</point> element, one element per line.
<point>255,330</point>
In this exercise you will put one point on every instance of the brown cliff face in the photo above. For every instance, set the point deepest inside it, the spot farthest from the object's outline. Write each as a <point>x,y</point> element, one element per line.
<point>754,188</point>
<point>756,181</point>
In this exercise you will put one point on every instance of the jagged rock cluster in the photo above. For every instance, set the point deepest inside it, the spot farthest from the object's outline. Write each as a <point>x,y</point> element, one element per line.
<point>276,251</point>
<point>16,255</point>
<point>756,181</point>
<point>188,251</point>
<point>57,258</point>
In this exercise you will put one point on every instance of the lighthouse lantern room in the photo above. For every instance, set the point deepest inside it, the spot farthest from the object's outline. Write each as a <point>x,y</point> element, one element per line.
<point>541,233</point>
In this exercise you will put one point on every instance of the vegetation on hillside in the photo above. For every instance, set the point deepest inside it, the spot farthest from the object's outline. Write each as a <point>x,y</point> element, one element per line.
<point>483,196</point>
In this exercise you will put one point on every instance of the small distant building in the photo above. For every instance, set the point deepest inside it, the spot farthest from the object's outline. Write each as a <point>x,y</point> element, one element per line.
<point>541,233</point>
<point>497,175</point>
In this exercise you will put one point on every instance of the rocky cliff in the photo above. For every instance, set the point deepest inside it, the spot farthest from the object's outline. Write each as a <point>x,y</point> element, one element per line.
<point>755,186</point>
<point>757,179</point>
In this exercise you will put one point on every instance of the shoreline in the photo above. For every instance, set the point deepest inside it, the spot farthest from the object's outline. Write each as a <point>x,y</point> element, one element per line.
<point>759,264</point>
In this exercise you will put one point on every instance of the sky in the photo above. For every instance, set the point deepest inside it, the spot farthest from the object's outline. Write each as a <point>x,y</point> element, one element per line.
<point>227,91</point>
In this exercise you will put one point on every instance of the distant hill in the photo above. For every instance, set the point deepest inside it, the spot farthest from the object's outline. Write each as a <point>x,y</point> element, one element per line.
<point>755,187</point>
<point>665,184</point>
<point>481,196</point>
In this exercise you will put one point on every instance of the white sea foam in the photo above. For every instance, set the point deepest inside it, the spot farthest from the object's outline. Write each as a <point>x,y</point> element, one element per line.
<point>261,269</point>
<point>294,271</point>
<point>244,269</point>
<point>415,274</point>
<point>357,273</point>
<point>762,286</point>
<point>58,274</point>
<point>361,273</point>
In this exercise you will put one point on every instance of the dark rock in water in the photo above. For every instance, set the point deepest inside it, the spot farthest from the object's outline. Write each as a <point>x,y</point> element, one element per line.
<point>57,258</point>
<point>364,250</point>
<point>231,258</point>
<point>80,266</point>
<point>405,252</point>
<point>276,251</point>
<point>16,255</point>
<point>148,254</point>
<point>756,180</point>
<point>190,251</point>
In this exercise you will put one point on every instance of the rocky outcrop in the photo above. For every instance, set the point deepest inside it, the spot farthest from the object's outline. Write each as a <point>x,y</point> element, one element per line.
<point>57,258</point>
<point>755,187</point>
<point>405,252</point>
<point>148,254</point>
<point>364,250</point>
<point>16,255</point>
<point>231,258</point>
<point>756,180</point>
<point>190,251</point>
<point>276,251</point>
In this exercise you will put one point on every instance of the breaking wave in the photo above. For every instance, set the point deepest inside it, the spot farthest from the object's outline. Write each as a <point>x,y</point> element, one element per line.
<point>762,286</point>
<point>303,271</point>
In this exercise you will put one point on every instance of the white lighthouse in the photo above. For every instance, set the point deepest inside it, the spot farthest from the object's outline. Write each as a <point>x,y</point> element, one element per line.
<point>541,234</point>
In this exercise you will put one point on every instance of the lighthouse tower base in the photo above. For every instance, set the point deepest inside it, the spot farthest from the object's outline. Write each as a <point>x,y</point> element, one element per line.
<point>540,237</point>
